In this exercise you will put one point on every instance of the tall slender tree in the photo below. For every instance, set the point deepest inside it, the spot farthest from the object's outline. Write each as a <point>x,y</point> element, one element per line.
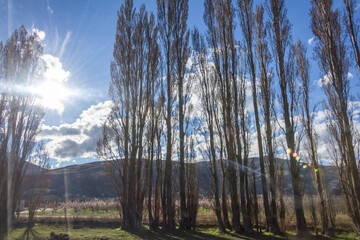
<point>181,52</point>
<point>219,18</point>
<point>242,140</point>
<point>334,63</point>
<point>133,72</point>
<point>20,116</point>
<point>167,22</point>
<point>266,103</point>
<point>224,197</point>
<point>281,39</point>
<point>302,69</point>
<point>208,98</point>
<point>193,184</point>
<point>155,112</point>
<point>246,15</point>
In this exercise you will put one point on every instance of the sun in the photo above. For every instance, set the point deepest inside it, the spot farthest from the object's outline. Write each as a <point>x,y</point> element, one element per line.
<point>52,94</point>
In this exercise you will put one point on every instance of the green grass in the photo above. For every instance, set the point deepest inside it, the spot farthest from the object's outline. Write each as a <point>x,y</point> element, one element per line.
<point>347,235</point>
<point>207,229</point>
<point>42,231</point>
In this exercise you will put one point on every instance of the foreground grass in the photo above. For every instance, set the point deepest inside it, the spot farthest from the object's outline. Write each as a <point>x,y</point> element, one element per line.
<point>42,231</point>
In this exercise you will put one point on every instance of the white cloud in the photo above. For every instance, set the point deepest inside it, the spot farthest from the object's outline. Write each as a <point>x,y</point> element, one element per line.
<point>40,34</point>
<point>324,80</point>
<point>47,84</point>
<point>319,117</point>
<point>53,69</point>
<point>311,40</point>
<point>50,85</point>
<point>77,139</point>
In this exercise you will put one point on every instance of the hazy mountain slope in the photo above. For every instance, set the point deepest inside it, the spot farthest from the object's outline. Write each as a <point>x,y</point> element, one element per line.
<point>88,180</point>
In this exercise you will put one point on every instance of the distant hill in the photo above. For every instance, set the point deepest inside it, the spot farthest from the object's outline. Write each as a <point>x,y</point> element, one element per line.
<point>88,180</point>
<point>32,168</point>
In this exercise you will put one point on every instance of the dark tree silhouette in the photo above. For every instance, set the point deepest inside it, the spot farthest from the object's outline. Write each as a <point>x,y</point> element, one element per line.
<point>219,18</point>
<point>302,70</point>
<point>334,64</point>
<point>207,83</point>
<point>20,117</point>
<point>281,39</point>
<point>266,102</point>
<point>133,72</point>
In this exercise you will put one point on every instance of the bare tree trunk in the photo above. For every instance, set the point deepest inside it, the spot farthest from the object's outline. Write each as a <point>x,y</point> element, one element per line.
<point>329,206</point>
<point>313,212</point>
<point>307,121</point>
<point>246,15</point>
<point>255,199</point>
<point>243,160</point>
<point>223,175</point>
<point>193,188</point>
<point>208,99</point>
<point>158,184</point>
<point>20,117</point>
<point>133,72</point>
<point>224,205</point>
<point>266,103</point>
<point>166,19</point>
<point>219,17</point>
<point>281,36</point>
<point>281,198</point>
<point>333,61</point>
<point>150,182</point>
<point>168,163</point>
<point>217,197</point>
<point>182,51</point>
<point>163,201</point>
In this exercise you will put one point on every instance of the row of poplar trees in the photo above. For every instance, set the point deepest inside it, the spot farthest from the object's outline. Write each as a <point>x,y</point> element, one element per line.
<point>20,119</point>
<point>155,73</point>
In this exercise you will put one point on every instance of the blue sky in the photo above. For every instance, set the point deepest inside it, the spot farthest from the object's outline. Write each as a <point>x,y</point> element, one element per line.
<point>80,35</point>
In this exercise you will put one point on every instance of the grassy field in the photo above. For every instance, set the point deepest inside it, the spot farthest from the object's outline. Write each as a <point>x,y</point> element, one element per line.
<point>84,222</point>
<point>205,216</point>
<point>111,213</point>
<point>42,231</point>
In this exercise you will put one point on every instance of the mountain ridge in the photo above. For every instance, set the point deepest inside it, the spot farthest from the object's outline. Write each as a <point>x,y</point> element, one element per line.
<point>83,181</point>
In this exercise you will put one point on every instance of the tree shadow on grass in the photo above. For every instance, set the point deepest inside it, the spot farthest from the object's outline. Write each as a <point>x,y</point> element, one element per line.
<point>322,237</point>
<point>197,235</point>
<point>3,233</point>
<point>30,233</point>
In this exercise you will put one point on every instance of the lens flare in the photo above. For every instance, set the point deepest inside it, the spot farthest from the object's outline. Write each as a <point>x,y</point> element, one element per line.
<point>52,94</point>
